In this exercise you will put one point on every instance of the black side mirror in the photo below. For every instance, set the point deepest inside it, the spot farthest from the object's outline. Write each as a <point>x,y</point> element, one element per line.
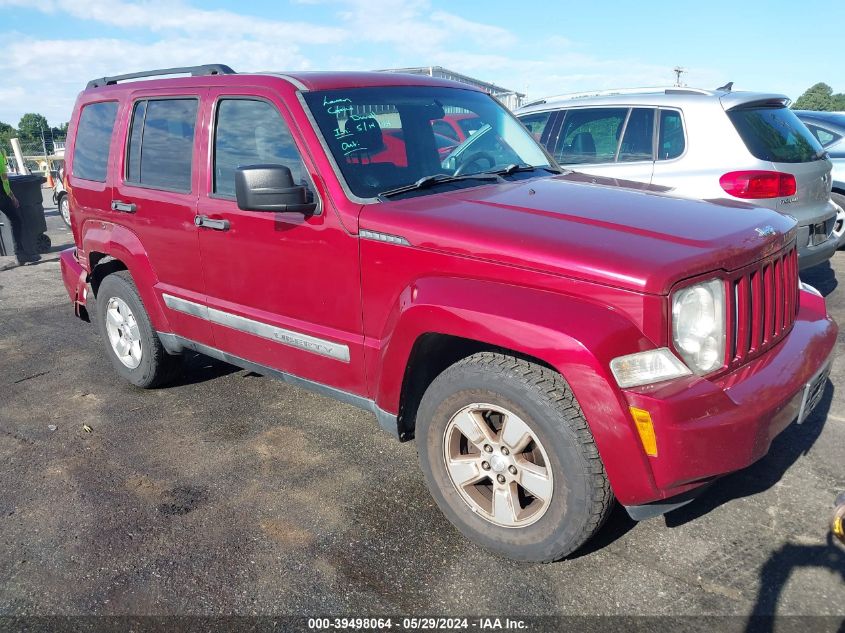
<point>270,188</point>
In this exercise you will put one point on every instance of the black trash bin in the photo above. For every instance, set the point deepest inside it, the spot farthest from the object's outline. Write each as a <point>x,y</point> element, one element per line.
<point>27,190</point>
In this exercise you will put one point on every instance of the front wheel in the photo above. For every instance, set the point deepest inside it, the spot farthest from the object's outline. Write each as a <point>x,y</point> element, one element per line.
<point>509,459</point>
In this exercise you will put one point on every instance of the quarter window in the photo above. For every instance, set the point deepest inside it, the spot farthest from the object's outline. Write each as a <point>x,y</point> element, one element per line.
<point>670,142</point>
<point>638,141</point>
<point>250,132</point>
<point>590,135</point>
<point>823,136</point>
<point>93,138</point>
<point>536,123</point>
<point>161,144</point>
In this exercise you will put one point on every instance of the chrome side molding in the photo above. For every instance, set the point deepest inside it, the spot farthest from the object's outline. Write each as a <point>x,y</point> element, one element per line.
<point>312,344</point>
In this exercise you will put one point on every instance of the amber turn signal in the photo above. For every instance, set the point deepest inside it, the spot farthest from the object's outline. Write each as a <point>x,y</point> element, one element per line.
<point>645,428</point>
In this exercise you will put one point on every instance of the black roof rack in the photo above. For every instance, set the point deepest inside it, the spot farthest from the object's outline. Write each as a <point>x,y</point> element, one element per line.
<point>194,71</point>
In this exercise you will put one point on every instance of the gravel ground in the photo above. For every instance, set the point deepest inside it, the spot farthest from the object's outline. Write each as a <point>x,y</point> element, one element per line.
<point>230,493</point>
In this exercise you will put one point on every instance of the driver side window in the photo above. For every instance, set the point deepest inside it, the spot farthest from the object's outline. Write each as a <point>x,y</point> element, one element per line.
<point>251,132</point>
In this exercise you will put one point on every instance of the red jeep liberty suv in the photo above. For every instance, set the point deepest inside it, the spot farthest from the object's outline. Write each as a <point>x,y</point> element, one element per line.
<point>552,340</point>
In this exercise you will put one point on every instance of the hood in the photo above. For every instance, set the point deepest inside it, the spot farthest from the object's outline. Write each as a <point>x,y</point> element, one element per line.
<point>603,230</point>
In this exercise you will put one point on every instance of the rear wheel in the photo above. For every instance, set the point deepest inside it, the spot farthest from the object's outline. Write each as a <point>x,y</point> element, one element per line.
<point>130,340</point>
<point>509,458</point>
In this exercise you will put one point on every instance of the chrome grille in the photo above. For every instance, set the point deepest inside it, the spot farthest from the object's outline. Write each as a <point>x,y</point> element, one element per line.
<point>764,303</point>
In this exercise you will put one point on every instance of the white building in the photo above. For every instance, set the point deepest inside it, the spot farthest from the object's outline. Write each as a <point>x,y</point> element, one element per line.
<point>510,98</point>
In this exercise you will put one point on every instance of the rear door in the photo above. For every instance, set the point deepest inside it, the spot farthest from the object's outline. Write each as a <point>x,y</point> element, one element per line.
<point>155,197</point>
<point>89,177</point>
<point>283,288</point>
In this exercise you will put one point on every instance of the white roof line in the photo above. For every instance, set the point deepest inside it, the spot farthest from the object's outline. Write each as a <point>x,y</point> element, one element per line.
<point>625,91</point>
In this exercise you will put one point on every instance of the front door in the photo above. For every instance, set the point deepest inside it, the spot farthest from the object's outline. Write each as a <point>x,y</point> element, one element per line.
<point>283,288</point>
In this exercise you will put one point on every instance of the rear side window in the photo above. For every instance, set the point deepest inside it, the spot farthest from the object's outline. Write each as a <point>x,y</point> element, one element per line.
<point>670,140</point>
<point>93,137</point>
<point>590,135</point>
<point>638,141</point>
<point>250,132</point>
<point>161,143</point>
<point>775,134</point>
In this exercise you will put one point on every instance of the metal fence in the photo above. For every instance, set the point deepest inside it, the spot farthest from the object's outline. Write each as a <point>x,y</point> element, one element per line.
<point>40,155</point>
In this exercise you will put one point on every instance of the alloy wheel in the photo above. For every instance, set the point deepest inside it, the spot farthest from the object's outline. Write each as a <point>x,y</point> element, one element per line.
<point>123,332</point>
<point>498,465</point>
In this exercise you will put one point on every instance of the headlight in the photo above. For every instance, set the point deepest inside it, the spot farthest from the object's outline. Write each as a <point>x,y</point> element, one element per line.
<point>644,368</point>
<point>698,325</point>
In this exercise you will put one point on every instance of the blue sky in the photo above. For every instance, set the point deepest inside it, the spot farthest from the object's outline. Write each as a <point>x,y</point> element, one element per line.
<point>51,48</point>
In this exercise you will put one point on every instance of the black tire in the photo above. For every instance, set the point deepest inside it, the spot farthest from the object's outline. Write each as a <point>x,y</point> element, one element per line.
<point>63,204</point>
<point>543,400</point>
<point>839,199</point>
<point>156,367</point>
<point>43,243</point>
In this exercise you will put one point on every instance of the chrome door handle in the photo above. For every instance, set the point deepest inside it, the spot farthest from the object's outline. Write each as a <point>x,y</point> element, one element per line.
<point>125,207</point>
<point>207,223</point>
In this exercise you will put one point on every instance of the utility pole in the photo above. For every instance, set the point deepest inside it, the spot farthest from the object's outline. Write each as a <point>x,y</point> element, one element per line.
<point>678,72</point>
<point>44,148</point>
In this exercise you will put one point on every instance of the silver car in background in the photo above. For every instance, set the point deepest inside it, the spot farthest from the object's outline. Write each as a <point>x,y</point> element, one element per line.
<point>704,144</point>
<point>829,130</point>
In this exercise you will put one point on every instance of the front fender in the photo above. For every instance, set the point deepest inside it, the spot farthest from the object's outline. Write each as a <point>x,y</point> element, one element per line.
<point>120,243</point>
<point>573,335</point>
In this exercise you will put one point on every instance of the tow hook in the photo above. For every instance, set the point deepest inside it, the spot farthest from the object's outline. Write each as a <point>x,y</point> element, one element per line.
<point>837,525</point>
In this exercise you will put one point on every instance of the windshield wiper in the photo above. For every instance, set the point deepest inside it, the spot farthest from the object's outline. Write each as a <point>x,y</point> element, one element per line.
<point>494,176</point>
<point>438,179</point>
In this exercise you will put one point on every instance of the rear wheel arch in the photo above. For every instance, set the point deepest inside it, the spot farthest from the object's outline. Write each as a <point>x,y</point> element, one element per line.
<point>101,265</point>
<point>119,257</point>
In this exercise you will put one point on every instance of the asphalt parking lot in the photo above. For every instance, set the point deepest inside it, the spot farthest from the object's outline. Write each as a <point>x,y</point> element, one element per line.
<point>231,493</point>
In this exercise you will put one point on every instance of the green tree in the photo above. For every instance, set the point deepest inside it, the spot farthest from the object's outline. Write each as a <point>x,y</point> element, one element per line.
<point>60,131</point>
<point>820,97</point>
<point>30,127</point>
<point>7,132</point>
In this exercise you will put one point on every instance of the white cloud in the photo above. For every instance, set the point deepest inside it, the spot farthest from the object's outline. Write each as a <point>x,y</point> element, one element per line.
<point>184,35</point>
<point>562,69</point>
<point>41,88</point>
<point>177,16</point>
<point>364,35</point>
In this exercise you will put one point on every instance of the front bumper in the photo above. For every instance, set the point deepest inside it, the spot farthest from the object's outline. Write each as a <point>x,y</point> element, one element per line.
<point>708,428</point>
<point>809,256</point>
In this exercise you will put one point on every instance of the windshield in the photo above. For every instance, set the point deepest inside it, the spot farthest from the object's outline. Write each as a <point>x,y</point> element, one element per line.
<point>389,137</point>
<point>775,134</point>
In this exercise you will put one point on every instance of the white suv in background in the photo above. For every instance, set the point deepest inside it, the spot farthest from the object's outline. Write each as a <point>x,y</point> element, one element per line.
<point>704,144</point>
